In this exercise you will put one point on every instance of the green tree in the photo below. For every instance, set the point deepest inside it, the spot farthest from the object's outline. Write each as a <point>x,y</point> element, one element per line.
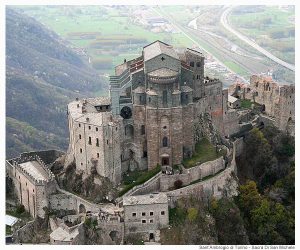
<point>249,197</point>
<point>192,214</point>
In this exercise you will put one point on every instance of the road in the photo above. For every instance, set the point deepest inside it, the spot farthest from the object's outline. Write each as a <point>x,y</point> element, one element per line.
<point>185,32</point>
<point>225,24</point>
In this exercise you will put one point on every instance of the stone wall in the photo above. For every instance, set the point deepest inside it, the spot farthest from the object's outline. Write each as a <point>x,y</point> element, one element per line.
<point>205,189</point>
<point>152,185</point>
<point>192,174</point>
<point>63,201</point>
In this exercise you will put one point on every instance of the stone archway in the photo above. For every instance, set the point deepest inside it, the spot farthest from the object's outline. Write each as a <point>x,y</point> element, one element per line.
<point>82,209</point>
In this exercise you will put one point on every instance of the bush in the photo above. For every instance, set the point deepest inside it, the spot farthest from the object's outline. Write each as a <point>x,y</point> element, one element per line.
<point>192,214</point>
<point>178,184</point>
<point>20,209</point>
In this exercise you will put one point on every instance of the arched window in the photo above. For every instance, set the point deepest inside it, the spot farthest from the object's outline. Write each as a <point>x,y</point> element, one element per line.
<point>165,142</point>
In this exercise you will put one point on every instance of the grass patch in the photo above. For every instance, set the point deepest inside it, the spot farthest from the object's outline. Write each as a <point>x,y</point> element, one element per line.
<point>177,216</point>
<point>19,212</point>
<point>245,103</point>
<point>137,178</point>
<point>8,230</point>
<point>204,152</point>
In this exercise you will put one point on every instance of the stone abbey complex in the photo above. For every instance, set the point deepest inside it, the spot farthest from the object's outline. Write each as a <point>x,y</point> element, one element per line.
<point>149,118</point>
<point>160,108</point>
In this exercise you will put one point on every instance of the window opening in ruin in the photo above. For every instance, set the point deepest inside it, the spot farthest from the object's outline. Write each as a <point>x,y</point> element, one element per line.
<point>143,221</point>
<point>98,155</point>
<point>97,142</point>
<point>133,214</point>
<point>151,213</point>
<point>89,127</point>
<point>106,141</point>
<point>142,129</point>
<point>198,64</point>
<point>151,221</point>
<point>162,58</point>
<point>81,163</point>
<point>164,127</point>
<point>79,125</point>
<point>162,212</point>
<point>192,64</point>
<point>96,129</point>
<point>82,209</point>
<point>143,214</point>
<point>145,154</point>
<point>149,99</point>
<point>81,150</point>
<point>79,136</point>
<point>165,142</point>
<point>90,140</point>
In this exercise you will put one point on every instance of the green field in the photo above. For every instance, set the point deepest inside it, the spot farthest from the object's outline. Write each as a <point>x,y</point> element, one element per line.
<point>271,27</point>
<point>236,68</point>
<point>70,21</point>
<point>204,152</point>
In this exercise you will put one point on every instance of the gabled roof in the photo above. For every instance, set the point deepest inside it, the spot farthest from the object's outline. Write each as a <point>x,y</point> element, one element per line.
<point>156,48</point>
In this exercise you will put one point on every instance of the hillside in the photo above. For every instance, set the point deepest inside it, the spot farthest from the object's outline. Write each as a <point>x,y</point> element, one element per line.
<point>42,76</point>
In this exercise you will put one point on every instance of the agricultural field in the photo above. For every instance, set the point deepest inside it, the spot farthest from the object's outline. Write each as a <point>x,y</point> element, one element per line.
<point>272,27</point>
<point>107,34</point>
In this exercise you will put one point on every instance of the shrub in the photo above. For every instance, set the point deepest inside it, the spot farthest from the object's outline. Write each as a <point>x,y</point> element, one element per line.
<point>192,214</point>
<point>20,209</point>
<point>178,184</point>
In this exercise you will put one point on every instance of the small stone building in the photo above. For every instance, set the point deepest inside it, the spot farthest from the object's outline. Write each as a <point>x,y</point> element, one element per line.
<point>234,102</point>
<point>33,182</point>
<point>146,214</point>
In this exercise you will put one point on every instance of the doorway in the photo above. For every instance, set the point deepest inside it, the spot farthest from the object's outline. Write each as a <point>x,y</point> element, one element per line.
<point>151,237</point>
<point>165,161</point>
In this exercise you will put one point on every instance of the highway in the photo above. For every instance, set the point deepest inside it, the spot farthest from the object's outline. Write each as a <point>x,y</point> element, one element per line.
<point>226,25</point>
<point>185,32</point>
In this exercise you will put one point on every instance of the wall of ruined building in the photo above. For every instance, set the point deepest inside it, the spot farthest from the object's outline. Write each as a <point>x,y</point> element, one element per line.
<point>231,122</point>
<point>107,227</point>
<point>63,201</point>
<point>286,107</point>
<point>135,225</point>
<point>279,100</point>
